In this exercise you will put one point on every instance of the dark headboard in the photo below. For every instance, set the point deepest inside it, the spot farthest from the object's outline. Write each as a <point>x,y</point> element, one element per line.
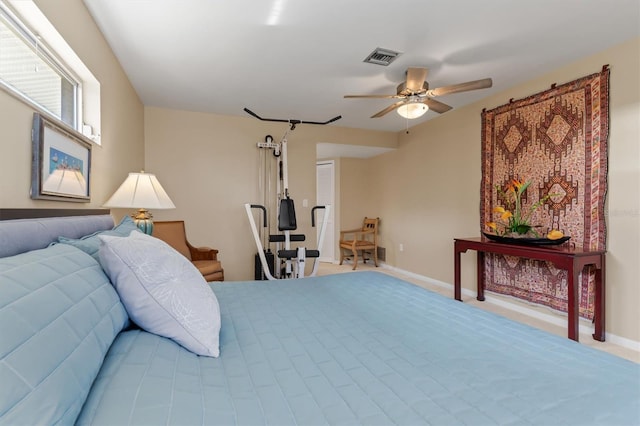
<point>8,214</point>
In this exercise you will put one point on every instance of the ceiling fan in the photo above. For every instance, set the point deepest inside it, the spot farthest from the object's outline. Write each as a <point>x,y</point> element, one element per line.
<point>417,98</point>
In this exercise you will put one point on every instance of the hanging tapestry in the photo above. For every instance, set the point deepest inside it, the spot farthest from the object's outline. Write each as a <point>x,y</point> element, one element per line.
<point>557,139</point>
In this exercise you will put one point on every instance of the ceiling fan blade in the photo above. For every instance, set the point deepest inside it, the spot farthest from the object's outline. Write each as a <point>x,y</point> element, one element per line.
<point>415,79</point>
<point>462,87</point>
<point>388,109</point>
<point>374,96</point>
<point>436,106</point>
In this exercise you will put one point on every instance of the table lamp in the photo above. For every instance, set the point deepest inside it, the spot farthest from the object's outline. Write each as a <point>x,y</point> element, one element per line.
<point>141,191</point>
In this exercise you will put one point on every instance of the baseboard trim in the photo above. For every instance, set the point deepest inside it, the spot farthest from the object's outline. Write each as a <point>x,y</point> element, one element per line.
<point>584,327</point>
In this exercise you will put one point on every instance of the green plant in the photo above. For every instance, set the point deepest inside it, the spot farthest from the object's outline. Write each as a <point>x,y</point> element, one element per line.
<point>514,219</point>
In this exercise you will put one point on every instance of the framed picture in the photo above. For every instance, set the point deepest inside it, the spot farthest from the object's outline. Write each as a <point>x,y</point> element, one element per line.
<point>61,162</point>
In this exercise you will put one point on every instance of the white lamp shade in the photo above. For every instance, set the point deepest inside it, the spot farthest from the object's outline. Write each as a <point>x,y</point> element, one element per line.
<point>140,191</point>
<point>413,110</point>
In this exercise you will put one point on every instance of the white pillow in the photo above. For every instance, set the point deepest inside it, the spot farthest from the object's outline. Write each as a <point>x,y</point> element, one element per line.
<point>162,291</point>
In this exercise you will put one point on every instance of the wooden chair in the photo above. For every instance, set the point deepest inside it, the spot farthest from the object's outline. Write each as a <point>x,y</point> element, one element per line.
<point>204,258</point>
<point>361,240</point>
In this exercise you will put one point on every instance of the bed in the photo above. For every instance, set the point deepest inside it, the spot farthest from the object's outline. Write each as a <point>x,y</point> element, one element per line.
<point>361,348</point>
<point>367,348</point>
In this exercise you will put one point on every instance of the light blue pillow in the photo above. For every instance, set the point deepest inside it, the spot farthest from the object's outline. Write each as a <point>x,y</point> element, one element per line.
<point>90,244</point>
<point>59,315</point>
<point>162,291</point>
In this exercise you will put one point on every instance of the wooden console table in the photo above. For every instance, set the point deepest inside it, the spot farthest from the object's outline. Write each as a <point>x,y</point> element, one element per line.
<point>573,260</point>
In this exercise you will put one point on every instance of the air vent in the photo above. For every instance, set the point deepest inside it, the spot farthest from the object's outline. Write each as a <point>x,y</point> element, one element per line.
<point>382,56</point>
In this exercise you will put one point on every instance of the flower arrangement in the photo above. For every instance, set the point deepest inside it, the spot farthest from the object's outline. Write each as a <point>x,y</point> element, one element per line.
<point>514,220</point>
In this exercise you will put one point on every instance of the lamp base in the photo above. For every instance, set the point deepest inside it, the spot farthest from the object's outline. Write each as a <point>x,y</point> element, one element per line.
<point>142,219</point>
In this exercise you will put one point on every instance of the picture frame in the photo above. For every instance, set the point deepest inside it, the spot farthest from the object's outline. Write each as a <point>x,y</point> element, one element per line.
<point>61,162</point>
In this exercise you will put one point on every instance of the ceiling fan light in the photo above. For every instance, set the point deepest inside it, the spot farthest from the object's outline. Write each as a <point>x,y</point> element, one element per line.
<point>412,110</point>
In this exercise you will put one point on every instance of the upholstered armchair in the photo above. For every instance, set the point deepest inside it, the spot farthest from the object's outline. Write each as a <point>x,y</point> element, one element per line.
<point>204,258</point>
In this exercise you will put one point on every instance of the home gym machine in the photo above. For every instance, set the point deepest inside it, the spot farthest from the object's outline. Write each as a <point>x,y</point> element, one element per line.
<point>290,262</point>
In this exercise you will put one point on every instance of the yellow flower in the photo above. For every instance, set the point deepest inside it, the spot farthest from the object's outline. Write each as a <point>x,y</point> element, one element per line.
<point>492,225</point>
<point>513,217</point>
<point>517,219</point>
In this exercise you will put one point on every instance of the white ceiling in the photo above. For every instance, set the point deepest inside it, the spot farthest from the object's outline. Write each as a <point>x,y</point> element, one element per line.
<point>295,59</point>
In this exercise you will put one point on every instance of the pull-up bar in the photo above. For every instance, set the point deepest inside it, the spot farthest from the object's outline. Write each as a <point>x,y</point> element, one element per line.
<point>291,122</point>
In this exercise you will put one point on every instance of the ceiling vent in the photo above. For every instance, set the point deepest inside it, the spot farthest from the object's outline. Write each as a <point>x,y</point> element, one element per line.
<point>382,56</point>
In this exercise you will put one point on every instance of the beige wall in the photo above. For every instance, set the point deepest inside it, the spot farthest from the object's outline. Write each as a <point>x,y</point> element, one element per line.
<point>122,147</point>
<point>208,164</point>
<point>355,184</point>
<point>428,193</point>
<point>428,189</point>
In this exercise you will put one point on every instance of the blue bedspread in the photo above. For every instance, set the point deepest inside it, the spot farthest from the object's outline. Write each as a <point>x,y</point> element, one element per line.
<point>362,348</point>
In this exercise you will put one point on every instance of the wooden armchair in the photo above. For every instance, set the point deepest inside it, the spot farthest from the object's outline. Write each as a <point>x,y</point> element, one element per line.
<point>364,240</point>
<point>204,258</point>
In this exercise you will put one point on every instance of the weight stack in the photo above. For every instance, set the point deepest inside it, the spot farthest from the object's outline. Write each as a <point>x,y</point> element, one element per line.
<point>259,272</point>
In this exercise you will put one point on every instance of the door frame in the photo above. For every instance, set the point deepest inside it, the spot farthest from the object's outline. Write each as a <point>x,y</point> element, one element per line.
<point>332,219</point>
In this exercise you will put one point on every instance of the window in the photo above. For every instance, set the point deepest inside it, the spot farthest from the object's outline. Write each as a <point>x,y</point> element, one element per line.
<point>38,67</point>
<point>26,67</point>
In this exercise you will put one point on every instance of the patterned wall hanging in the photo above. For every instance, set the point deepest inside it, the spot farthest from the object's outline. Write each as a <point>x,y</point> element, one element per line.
<point>558,140</point>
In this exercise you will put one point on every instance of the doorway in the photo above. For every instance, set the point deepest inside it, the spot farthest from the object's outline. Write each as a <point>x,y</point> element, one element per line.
<point>325,195</point>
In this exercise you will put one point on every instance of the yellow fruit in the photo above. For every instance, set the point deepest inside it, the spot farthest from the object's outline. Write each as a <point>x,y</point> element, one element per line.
<point>555,235</point>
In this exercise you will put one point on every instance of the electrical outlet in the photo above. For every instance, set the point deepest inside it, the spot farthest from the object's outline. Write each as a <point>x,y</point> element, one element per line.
<point>401,247</point>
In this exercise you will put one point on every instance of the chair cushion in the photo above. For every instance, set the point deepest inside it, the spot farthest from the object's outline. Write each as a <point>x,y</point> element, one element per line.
<point>364,244</point>
<point>162,291</point>
<point>90,244</point>
<point>359,243</point>
<point>60,315</point>
<point>207,267</point>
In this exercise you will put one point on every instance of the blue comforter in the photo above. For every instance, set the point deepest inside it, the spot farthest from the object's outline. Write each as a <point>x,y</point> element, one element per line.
<point>361,348</point>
